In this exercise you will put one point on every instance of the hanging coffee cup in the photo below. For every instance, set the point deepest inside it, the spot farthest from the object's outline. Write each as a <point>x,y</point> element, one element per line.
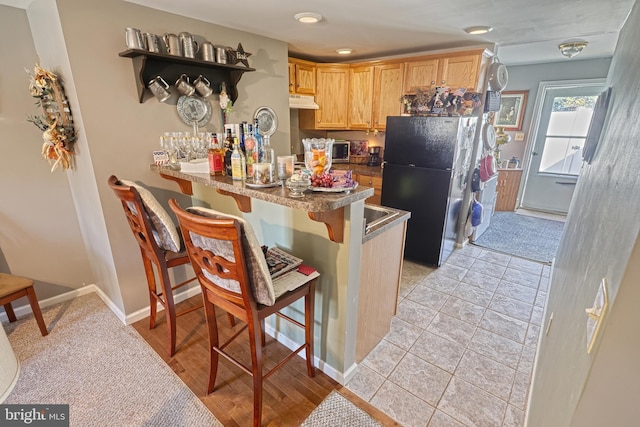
<point>159,88</point>
<point>172,44</point>
<point>183,85</point>
<point>152,42</point>
<point>207,52</point>
<point>134,38</point>
<point>203,86</point>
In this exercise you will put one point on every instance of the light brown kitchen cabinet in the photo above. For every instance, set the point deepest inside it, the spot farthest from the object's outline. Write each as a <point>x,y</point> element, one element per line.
<point>460,71</point>
<point>360,97</point>
<point>507,188</point>
<point>302,77</point>
<point>422,74</point>
<point>371,181</point>
<point>332,91</point>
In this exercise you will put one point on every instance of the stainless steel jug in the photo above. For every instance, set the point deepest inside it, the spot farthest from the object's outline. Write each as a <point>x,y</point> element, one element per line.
<point>134,38</point>
<point>207,52</point>
<point>189,45</point>
<point>221,54</point>
<point>152,42</point>
<point>172,43</point>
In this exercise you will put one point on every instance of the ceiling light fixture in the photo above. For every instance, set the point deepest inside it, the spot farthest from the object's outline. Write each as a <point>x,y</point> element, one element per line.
<point>308,17</point>
<point>479,29</point>
<point>344,51</point>
<point>571,49</point>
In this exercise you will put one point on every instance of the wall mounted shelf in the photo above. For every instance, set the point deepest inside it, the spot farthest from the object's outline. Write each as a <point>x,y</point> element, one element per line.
<point>147,65</point>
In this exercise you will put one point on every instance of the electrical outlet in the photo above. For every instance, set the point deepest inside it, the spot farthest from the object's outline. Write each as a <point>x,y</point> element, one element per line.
<point>596,314</point>
<point>519,136</point>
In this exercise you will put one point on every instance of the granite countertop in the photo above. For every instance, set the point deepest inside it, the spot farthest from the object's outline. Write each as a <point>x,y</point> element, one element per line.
<point>312,202</point>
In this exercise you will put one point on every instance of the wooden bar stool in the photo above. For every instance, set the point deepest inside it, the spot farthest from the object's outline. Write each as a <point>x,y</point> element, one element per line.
<point>14,287</point>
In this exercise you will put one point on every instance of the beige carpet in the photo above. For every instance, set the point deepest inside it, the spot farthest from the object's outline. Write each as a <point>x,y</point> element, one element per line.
<point>336,410</point>
<point>103,369</point>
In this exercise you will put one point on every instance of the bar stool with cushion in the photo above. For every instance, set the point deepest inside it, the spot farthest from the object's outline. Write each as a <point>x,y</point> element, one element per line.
<point>14,287</point>
<point>234,277</point>
<point>160,245</point>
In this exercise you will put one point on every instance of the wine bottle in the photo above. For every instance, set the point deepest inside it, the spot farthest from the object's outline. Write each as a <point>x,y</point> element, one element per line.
<point>228,150</point>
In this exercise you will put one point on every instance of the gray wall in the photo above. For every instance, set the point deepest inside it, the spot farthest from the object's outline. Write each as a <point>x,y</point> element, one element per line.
<point>600,240</point>
<point>528,77</point>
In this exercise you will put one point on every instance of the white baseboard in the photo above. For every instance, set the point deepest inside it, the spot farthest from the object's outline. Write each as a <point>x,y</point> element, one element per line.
<point>144,312</point>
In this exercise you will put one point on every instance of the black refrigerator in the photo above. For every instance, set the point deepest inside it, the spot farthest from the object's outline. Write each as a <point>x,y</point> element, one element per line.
<point>426,160</point>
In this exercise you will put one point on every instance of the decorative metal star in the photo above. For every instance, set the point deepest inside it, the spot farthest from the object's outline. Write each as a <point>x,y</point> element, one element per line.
<point>241,55</point>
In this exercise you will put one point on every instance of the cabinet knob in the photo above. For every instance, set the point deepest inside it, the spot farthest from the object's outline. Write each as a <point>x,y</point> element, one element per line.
<point>443,81</point>
<point>433,82</point>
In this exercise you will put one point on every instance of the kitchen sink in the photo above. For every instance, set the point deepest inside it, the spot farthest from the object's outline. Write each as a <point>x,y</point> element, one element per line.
<point>375,215</point>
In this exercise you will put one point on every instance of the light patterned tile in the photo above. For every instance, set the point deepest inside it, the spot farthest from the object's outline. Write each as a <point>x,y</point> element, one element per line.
<point>533,333</point>
<point>526,265</point>
<point>490,269</point>
<point>536,315</point>
<point>401,405</point>
<point>470,250</point>
<point>471,405</point>
<point>520,390</point>
<point>452,271</point>
<point>414,272</point>
<point>452,329</point>
<point>494,257</point>
<point>460,260</point>
<point>463,310</point>
<point>473,294</point>
<point>505,326</point>
<point>515,291</point>
<point>406,286</point>
<point>526,360</point>
<point>440,419</point>
<point>384,357</point>
<point>480,280</point>
<point>365,382</point>
<point>420,378</point>
<point>487,374</point>
<point>511,307</point>
<point>440,283</point>
<point>546,270</point>
<point>544,284</point>
<point>521,278</point>
<point>541,299</point>
<point>428,297</point>
<point>438,351</point>
<point>496,347</point>
<point>514,417</point>
<point>402,333</point>
<point>415,313</point>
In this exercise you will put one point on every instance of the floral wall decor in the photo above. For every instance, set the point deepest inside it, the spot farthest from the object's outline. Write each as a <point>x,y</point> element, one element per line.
<point>56,122</point>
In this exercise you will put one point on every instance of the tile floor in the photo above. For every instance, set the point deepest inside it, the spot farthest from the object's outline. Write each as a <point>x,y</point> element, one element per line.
<point>461,347</point>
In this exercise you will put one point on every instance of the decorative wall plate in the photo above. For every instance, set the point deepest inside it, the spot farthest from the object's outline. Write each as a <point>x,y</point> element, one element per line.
<point>489,136</point>
<point>267,121</point>
<point>194,109</point>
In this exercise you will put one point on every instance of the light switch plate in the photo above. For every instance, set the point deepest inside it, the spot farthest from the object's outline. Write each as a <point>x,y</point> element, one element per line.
<point>519,136</point>
<point>596,313</point>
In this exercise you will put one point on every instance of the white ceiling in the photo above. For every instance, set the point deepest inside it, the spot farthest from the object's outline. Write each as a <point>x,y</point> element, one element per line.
<point>526,31</point>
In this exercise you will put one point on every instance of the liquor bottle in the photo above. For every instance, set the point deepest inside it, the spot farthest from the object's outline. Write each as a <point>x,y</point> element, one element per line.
<point>268,155</point>
<point>250,148</point>
<point>215,154</point>
<point>243,133</point>
<point>258,137</point>
<point>236,163</point>
<point>228,150</point>
<point>243,162</point>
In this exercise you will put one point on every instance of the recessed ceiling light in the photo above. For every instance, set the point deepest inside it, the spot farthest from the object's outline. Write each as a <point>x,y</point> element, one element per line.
<point>479,29</point>
<point>308,17</point>
<point>344,51</point>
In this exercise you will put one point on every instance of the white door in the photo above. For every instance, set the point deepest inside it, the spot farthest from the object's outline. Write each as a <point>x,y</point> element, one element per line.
<point>564,115</point>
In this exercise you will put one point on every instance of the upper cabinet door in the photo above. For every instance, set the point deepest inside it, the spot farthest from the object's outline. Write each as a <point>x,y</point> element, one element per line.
<point>332,92</point>
<point>305,79</point>
<point>292,78</point>
<point>460,71</point>
<point>421,75</point>
<point>386,93</point>
<point>360,97</point>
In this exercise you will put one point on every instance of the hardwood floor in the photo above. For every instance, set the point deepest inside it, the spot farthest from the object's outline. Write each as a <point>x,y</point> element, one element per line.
<point>289,394</point>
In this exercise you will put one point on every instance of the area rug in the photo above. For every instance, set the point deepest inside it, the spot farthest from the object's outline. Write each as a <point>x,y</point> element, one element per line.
<point>523,236</point>
<point>336,410</point>
<point>103,369</point>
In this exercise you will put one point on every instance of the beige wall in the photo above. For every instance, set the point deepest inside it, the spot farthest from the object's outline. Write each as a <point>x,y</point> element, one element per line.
<point>39,230</point>
<point>572,387</point>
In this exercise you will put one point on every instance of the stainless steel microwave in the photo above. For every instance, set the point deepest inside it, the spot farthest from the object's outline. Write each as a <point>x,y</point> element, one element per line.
<point>340,152</point>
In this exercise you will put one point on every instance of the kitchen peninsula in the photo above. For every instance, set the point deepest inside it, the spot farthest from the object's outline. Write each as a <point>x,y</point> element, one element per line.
<point>327,230</point>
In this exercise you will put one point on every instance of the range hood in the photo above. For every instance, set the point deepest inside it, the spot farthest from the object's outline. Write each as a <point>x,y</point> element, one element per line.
<point>302,102</point>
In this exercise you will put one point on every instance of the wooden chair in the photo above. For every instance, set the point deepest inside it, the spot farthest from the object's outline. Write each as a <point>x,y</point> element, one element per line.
<point>14,287</point>
<point>140,216</point>
<point>234,277</point>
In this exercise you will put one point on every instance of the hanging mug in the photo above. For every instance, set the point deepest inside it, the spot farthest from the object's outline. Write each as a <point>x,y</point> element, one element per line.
<point>134,38</point>
<point>183,85</point>
<point>203,86</point>
<point>159,88</point>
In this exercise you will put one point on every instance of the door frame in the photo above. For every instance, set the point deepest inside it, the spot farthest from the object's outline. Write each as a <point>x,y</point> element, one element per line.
<point>543,88</point>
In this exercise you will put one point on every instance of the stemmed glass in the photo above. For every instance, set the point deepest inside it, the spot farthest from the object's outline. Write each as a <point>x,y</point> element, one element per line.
<point>168,144</point>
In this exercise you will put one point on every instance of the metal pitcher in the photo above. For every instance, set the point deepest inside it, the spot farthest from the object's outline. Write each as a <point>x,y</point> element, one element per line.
<point>134,38</point>
<point>172,43</point>
<point>152,42</point>
<point>189,45</point>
